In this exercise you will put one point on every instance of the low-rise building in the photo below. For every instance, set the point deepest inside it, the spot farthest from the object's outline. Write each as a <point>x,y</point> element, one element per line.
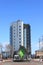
<point>39,53</point>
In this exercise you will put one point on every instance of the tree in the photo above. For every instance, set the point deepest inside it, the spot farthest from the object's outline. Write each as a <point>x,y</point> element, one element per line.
<point>8,49</point>
<point>1,48</point>
<point>22,52</point>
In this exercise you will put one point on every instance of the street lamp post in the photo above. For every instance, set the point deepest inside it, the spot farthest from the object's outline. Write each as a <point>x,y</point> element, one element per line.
<point>40,46</point>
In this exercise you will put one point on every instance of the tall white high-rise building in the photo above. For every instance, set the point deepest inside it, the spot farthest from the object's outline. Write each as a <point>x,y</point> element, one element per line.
<point>16,35</point>
<point>20,35</point>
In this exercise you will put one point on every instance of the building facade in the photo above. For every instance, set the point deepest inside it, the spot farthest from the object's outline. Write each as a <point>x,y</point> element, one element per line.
<point>39,54</point>
<point>20,35</point>
<point>16,35</point>
<point>27,37</point>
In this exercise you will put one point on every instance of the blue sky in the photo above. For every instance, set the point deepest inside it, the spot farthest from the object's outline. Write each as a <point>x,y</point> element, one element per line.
<point>30,11</point>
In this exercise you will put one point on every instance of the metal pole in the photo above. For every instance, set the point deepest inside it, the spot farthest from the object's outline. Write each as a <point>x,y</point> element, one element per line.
<point>39,49</point>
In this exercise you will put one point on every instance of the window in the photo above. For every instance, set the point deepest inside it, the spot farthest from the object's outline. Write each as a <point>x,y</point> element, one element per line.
<point>19,29</point>
<point>14,48</point>
<point>14,36</point>
<point>14,26</point>
<point>14,30</point>
<point>19,38</point>
<point>14,33</point>
<point>19,35</point>
<point>19,32</point>
<point>19,41</point>
<point>19,26</point>
<point>14,39</point>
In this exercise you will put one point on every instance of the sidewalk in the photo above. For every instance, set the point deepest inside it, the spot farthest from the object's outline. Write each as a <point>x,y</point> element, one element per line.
<point>6,60</point>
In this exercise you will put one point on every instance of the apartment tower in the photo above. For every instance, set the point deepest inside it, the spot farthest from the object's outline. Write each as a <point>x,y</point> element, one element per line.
<point>20,35</point>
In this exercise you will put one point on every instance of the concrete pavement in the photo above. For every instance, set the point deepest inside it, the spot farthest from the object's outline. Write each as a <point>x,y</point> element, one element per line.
<point>22,63</point>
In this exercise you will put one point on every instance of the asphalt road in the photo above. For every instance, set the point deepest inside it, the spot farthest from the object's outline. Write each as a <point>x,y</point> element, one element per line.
<point>21,63</point>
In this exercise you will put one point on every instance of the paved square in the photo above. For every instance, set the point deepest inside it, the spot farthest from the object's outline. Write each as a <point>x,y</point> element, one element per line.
<point>21,63</point>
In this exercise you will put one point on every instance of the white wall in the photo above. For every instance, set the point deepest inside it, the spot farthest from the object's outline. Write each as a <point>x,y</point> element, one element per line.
<point>16,43</point>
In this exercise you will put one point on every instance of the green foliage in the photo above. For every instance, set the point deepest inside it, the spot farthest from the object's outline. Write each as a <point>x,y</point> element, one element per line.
<point>22,51</point>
